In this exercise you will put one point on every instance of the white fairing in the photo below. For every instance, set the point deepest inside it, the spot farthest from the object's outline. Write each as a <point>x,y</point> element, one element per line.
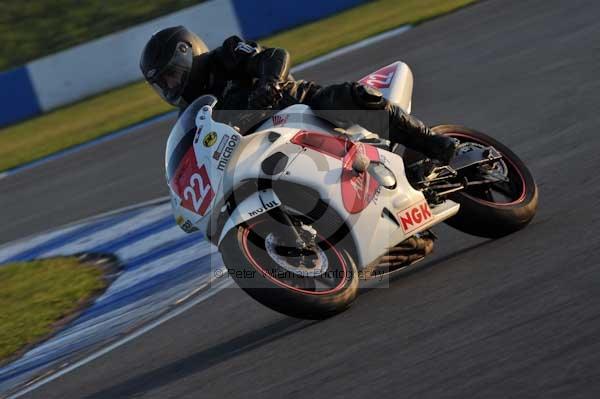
<point>395,81</point>
<point>195,193</point>
<point>378,217</point>
<point>372,230</point>
<point>251,207</point>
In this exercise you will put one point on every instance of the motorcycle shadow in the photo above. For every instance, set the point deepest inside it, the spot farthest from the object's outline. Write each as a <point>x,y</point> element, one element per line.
<point>378,282</point>
<point>203,360</point>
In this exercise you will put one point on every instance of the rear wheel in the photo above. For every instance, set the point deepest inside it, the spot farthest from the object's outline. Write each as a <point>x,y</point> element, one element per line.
<point>497,209</point>
<point>324,284</point>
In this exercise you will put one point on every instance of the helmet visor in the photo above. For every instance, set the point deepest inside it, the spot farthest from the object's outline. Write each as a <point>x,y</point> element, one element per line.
<point>171,80</point>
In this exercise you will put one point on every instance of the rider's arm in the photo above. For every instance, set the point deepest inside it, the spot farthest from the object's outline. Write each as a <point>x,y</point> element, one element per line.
<point>254,61</point>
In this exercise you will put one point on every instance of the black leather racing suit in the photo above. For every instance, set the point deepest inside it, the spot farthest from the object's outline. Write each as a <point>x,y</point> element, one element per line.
<point>233,71</point>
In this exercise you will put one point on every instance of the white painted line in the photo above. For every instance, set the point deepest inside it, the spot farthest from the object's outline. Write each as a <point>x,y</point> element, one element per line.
<point>82,221</point>
<point>191,294</point>
<point>352,47</point>
<point>137,222</point>
<point>175,312</point>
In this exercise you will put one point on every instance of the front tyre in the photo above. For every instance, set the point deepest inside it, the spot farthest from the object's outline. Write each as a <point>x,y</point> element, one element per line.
<point>499,209</point>
<point>312,293</point>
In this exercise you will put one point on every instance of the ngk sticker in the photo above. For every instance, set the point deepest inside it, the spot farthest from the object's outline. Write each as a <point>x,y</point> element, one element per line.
<point>414,217</point>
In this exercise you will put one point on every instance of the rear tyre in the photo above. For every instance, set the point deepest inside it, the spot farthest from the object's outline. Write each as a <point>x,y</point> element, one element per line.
<point>501,208</point>
<point>246,255</point>
<point>483,213</point>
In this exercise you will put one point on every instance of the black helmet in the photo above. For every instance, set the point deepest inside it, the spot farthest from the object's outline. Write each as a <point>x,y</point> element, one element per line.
<point>167,61</point>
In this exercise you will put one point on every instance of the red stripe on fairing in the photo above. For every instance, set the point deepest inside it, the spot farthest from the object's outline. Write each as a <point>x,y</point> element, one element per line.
<point>328,144</point>
<point>282,284</point>
<point>358,189</point>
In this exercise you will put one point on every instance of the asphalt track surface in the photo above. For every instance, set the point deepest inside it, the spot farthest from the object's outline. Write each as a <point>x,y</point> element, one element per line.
<point>516,317</point>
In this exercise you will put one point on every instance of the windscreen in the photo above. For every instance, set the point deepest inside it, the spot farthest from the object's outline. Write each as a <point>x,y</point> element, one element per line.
<point>182,135</point>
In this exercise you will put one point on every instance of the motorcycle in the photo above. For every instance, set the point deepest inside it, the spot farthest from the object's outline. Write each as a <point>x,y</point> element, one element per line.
<point>301,209</point>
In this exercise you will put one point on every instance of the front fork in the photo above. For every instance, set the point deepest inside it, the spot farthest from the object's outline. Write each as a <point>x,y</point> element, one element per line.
<point>293,236</point>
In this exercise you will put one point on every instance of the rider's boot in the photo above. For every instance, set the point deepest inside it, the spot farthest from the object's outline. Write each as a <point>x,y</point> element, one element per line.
<point>414,134</point>
<point>405,128</point>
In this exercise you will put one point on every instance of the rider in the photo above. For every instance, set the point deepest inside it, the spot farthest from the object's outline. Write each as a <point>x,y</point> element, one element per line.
<point>244,75</point>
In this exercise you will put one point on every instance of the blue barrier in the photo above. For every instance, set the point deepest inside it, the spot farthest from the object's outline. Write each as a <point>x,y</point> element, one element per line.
<point>261,18</point>
<point>18,100</point>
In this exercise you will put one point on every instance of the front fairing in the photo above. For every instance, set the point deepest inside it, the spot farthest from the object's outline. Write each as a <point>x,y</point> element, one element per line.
<point>198,152</point>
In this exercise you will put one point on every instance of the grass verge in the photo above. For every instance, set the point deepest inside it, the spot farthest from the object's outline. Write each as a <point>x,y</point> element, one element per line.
<point>35,296</point>
<point>103,114</point>
<point>317,38</point>
<point>77,123</point>
<point>36,28</point>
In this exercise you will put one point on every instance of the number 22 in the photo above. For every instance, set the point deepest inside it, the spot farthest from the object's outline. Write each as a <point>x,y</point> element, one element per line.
<point>190,192</point>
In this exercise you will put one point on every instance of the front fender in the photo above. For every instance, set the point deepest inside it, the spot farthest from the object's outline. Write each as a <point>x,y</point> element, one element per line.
<point>251,207</point>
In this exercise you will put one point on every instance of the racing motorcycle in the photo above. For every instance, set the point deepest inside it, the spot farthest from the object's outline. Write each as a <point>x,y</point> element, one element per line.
<point>301,210</point>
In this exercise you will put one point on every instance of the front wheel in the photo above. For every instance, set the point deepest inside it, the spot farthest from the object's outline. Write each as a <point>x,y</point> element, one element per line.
<point>316,290</point>
<point>497,209</point>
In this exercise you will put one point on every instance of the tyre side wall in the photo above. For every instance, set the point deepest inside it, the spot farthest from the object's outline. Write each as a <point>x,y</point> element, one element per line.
<point>489,220</point>
<point>286,301</point>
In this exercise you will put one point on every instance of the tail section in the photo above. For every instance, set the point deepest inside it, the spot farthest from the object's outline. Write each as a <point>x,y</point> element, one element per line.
<point>395,82</point>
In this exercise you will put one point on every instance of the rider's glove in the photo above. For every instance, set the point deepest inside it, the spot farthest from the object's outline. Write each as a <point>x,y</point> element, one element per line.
<point>266,93</point>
